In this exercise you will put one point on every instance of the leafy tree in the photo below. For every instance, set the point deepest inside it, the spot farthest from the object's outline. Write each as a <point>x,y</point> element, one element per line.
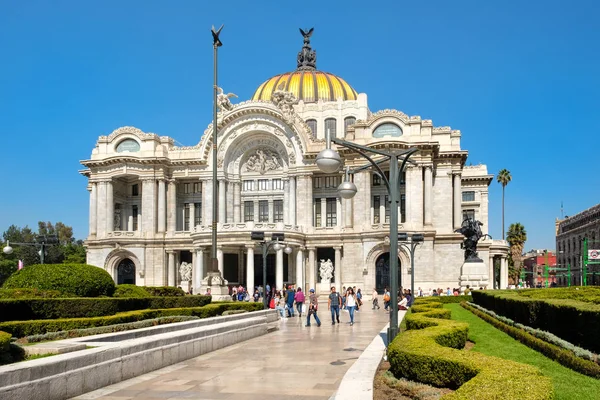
<point>7,268</point>
<point>503,178</point>
<point>516,237</point>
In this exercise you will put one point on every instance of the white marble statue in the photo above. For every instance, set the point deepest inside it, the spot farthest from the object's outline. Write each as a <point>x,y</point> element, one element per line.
<point>326,270</point>
<point>185,270</point>
<point>223,101</point>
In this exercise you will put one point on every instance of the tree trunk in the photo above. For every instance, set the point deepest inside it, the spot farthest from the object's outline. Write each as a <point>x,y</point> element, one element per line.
<point>503,186</point>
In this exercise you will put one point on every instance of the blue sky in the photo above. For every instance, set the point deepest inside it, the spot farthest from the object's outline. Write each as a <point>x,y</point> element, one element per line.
<point>519,79</point>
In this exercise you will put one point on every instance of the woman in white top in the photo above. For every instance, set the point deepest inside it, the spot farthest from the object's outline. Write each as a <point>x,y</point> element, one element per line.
<point>402,305</point>
<point>351,304</point>
<point>375,299</point>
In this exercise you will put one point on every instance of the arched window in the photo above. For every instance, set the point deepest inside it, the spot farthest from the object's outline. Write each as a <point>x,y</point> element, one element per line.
<point>312,124</point>
<point>128,145</point>
<point>387,129</point>
<point>347,122</point>
<point>330,124</point>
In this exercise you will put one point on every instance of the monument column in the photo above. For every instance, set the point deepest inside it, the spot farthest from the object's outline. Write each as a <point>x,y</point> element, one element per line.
<point>250,268</point>
<point>457,199</point>
<point>198,269</point>
<point>300,268</point>
<point>172,206</point>
<point>279,269</point>
<point>162,208</point>
<point>491,273</point>
<point>220,260</point>
<point>110,207</point>
<point>171,268</point>
<point>503,273</point>
<point>338,268</point>
<point>93,208</point>
<point>286,201</point>
<point>222,201</point>
<point>237,203</point>
<point>311,267</point>
<point>292,201</point>
<point>427,195</point>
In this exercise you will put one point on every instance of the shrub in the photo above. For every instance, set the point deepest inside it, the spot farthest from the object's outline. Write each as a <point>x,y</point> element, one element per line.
<point>74,279</point>
<point>167,291</point>
<point>7,268</point>
<point>442,299</point>
<point>562,356</point>
<point>29,294</point>
<point>5,348</point>
<point>428,352</point>
<point>29,309</point>
<point>130,291</point>
<point>39,327</point>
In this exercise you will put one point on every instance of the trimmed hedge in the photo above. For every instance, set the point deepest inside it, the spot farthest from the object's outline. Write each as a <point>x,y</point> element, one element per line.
<point>429,352</point>
<point>5,353</point>
<point>29,294</point>
<point>553,352</point>
<point>39,327</point>
<point>167,291</point>
<point>127,290</point>
<point>575,321</point>
<point>75,279</point>
<point>31,309</point>
<point>442,299</point>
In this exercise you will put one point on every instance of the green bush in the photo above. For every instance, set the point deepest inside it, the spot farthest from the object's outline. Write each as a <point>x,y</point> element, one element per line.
<point>74,279</point>
<point>39,327</point>
<point>7,268</point>
<point>553,352</point>
<point>130,291</point>
<point>442,299</point>
<point>575,321</point>
<point>29,309</point>
<point>429,352</point>
<point>168,291</point>
<point>29,294</point>
<point>5,348</point>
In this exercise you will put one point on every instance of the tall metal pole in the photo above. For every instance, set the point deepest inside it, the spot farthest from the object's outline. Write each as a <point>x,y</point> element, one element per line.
<point>394,277</point>
<point>413,246</point>
<point>265,248</point>
<point>213,251</point>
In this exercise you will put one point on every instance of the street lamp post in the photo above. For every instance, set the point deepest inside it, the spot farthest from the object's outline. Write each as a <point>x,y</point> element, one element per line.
<point>276,243</point>
<point>410,246</point>
<point>43,241</point>
<point>329,161</point>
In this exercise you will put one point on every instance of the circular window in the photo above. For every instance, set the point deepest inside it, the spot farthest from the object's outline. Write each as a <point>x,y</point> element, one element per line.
<point>128,145</point>
<point>387,129</point>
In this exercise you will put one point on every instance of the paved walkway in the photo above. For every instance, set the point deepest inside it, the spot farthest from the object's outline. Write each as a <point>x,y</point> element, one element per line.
<point>296,362</point>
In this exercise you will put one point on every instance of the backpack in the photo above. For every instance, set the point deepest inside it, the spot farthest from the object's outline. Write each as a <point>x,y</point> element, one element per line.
<point>386,296</point>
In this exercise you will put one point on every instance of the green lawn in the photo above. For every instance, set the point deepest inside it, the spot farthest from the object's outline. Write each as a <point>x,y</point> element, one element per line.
<point>568,384</point>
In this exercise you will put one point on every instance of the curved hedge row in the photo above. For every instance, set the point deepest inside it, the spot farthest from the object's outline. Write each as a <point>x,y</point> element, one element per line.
<point>572,320</point>
<point>38,327</point>
<point>75,279</point>
<point>429,352</point>
<point>29,309</point>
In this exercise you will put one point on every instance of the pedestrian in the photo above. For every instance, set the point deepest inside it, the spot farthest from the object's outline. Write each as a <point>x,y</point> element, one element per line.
<point>359,302</point>
<point>313,308</point>
<point>256,295</point>
<point>333,304</point>
<point>343,297</point>
<point>289,300</point>
<point>375,296</point>
<point>351,304</point>
<point>299,297</point>
<point>386,299</point>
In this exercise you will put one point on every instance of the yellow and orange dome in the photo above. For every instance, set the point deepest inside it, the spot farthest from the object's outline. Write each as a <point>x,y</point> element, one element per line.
<point>307,85</point>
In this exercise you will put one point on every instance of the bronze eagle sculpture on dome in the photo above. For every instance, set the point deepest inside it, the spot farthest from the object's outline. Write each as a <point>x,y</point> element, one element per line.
<point>307,35</point>
<point>307,57</point>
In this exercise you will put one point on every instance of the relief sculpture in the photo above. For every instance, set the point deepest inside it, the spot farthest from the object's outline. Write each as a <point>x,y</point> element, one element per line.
<point>263,160</point>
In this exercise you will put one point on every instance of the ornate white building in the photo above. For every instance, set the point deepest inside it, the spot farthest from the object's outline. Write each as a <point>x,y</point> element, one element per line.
<point>151,201</point>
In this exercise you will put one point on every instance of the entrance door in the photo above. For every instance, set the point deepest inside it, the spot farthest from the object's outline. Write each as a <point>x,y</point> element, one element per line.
<point>126,272</point>
<point>382,272</point>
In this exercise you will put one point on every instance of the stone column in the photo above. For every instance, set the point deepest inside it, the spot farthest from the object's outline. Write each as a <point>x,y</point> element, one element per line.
<point>207,203</point>
<point>348,211</point>
<point>338,267</point>
<point>162,208</point>
<point>362,200</point>
<point>279,269</point>
<point>286,201</point>
<point>237,203</point>
<point>300,268</point>
<point>93,208</point>
<point>427,206</point>
<point>198,270</point>
<point>491,273</point>
<point>305,206</point>
<point>110,207</point>
<point>339,214</point>
<point>101,209</point>
<point>222,202</point>
<point>271,210</point>
<point>255,210</point>
<point>148,208</point>
<point>250,268</point>
<point>171,276</point>
<point>172,206</point>
<point>312,253</point>
<point>503,273</point>
<point>130,220</point>
<point>191,220</point>
<point>292,202</point>
<point>457,200</point>
<point>220,260</point>
<point>323,212</point>
<point>382,204</point>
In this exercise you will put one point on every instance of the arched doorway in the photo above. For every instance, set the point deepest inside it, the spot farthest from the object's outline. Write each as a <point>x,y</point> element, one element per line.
<point>382,272</point>
<point>126,272</point>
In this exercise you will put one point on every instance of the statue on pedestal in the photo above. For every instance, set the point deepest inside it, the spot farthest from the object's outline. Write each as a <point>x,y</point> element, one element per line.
<point>471,230</point>
<point>326,271</point>
<point>185,271</point>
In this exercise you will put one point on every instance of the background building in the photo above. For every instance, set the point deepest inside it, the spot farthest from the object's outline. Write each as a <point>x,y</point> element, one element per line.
<point>535,262</point>
<point>151,206</point>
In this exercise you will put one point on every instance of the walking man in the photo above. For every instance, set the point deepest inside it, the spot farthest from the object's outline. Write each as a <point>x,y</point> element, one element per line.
<point>375,299</point>
<point>312,308</point>
<point>334,303</point>
<point>289,296</point>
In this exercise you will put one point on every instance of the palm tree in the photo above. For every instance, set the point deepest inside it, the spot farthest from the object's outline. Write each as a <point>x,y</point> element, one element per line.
<point>516,237</point>
<point>503,177</point>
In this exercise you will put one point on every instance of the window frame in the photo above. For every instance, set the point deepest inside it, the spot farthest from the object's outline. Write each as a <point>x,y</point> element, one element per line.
<point>333,123</point>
